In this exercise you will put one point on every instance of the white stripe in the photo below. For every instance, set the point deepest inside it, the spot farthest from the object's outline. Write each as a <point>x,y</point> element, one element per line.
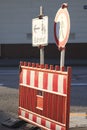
<point>50,82</point>
<point>60,83</point>
<point>39,120</point>
<point>58,127</point>
<point>40,80</point>
<point>30,116</point>
<point>32,76</point>
<point>48,124</point>
<point>24,76</point>
<point>22,113</point>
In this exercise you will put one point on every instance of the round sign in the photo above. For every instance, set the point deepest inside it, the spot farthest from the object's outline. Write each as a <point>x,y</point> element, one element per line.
<point>62,26</point>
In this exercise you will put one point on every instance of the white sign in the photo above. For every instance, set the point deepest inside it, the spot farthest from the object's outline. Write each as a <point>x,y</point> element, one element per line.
<point>40,31</point>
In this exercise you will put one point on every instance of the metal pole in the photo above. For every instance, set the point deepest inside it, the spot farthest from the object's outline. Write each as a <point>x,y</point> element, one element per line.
<point>41,48</point>
<point>42,55</point>
<point>41,10</point>
<point>62,58</point>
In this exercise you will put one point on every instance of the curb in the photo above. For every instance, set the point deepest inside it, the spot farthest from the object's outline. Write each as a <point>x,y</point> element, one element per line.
<point>78,120</point>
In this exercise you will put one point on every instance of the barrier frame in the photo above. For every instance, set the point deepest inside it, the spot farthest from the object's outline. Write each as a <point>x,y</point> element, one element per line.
<point>36,117</point>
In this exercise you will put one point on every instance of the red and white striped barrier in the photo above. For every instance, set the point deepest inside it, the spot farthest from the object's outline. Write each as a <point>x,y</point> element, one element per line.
<point>44,96</point>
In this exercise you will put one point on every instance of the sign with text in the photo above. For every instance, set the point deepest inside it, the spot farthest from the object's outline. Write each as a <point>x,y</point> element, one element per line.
<point>40,31</point>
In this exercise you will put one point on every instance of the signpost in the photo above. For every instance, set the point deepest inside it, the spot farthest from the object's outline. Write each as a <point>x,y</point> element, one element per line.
<point>62,30</point>
<point>44,98</point>
<point>40,33</point>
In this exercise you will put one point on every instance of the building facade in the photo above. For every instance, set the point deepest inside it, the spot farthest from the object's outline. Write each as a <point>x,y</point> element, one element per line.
<point>16,27</point>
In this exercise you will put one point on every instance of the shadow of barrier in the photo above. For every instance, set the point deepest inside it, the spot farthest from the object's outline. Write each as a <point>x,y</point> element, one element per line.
<point>44,95</point>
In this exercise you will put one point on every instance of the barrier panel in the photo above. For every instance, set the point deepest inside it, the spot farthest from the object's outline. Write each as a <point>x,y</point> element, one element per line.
<point>44,95</point>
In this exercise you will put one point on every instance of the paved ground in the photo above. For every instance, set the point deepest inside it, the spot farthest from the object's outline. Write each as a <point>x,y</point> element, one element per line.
<point>9,96</point>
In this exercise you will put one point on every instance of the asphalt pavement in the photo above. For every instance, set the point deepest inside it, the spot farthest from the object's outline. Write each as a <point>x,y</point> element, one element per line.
<point>9,92</point>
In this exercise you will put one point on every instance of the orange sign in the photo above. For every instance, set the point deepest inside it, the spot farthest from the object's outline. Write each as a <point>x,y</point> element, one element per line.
<point>40,102</point>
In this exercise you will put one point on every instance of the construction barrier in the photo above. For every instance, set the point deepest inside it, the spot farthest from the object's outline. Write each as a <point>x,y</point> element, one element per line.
<point>44,95</point>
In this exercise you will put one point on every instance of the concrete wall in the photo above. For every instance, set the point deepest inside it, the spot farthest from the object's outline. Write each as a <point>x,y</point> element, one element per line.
<point>73,51</point>
<point>16,19</point>
<point>16,28</point>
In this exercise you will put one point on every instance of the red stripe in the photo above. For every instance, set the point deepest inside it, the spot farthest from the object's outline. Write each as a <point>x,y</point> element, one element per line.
<point>45,80</point>
<point>55,82</point>
<point>28,99</point>
<point>36,79</point>
<point>32,99</point>
<point>63,128</point>
<point>27,115</point>
<point>58,108</point>
<point>61,109</point>
<point>25,97</point>
<point>43,122</point>
<point>46,103</point>
<point>55,108</point>
<point>28,77</point>
<point>34,118</point>
<point>53,126</point>
<point>51,106</point>
<point>24,101</point>
<point>64,111</point>
<point>20,96</point>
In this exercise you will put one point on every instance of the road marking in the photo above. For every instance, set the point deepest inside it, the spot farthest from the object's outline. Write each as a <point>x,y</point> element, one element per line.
<point>9,73</point>
<point>78,114</point>
<point>79,84</point>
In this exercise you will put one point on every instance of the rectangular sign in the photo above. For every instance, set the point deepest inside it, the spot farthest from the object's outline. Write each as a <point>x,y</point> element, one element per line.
<point>40,31</point>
